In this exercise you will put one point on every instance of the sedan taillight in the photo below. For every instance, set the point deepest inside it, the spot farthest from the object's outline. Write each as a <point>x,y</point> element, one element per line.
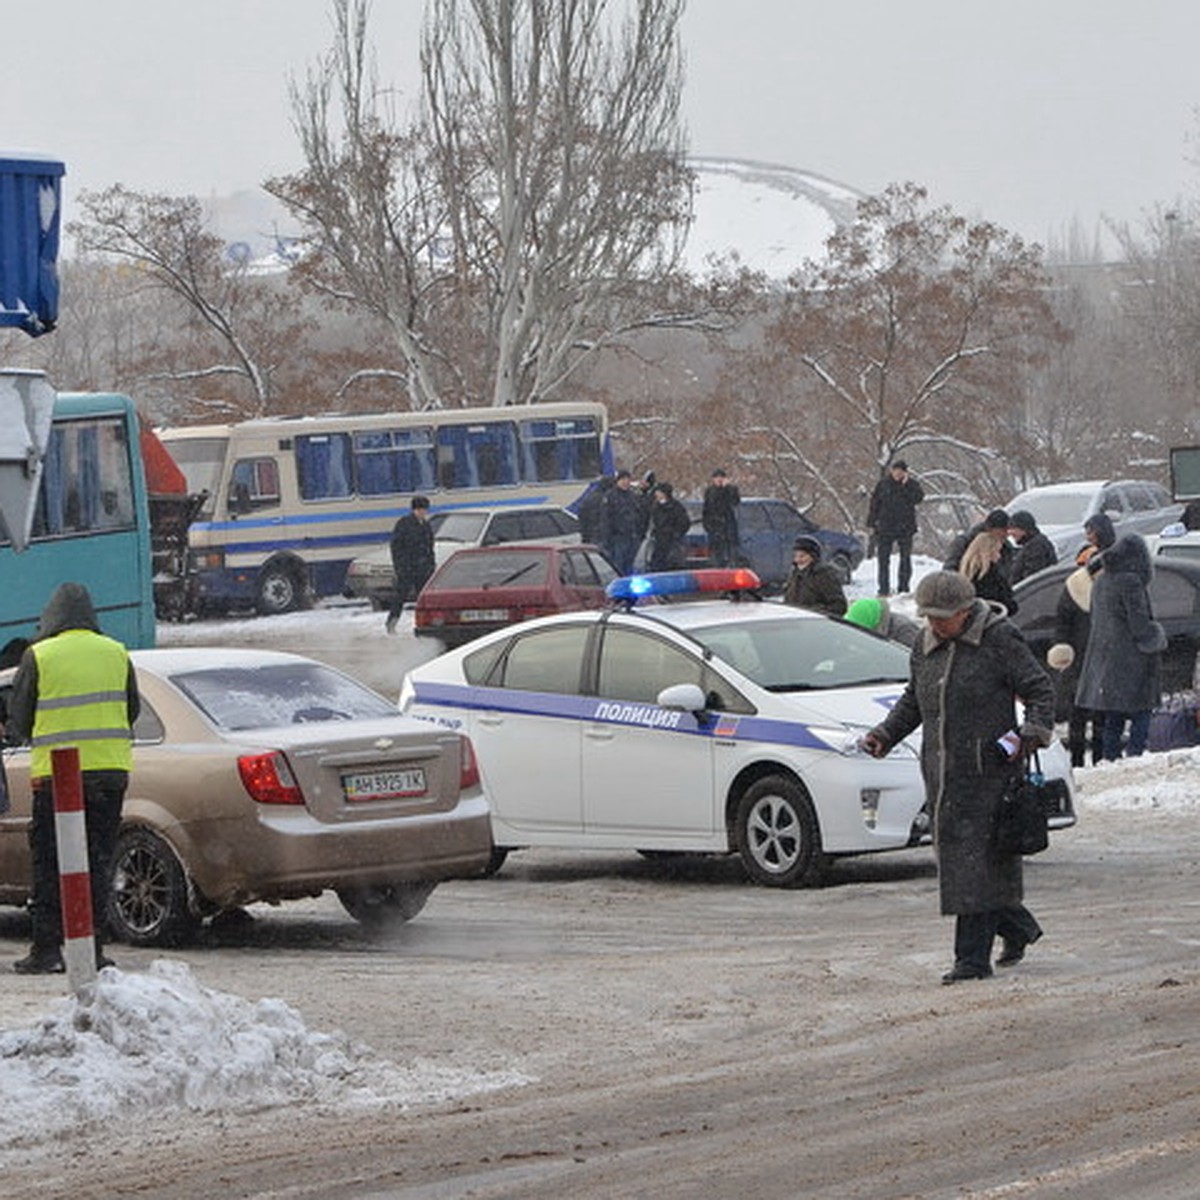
<point>268,779</point>
<point>468,771</point>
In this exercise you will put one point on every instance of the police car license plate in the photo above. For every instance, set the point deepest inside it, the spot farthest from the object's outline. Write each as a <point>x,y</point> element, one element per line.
<point>384,785</point>
<point>483,614</point>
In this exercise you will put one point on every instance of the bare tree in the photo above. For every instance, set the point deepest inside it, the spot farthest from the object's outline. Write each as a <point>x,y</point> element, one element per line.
<point>909,338</point>
<point>243,328</point>
<point>511,233</point>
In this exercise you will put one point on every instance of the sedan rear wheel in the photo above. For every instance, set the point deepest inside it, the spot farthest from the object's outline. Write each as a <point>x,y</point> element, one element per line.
<point>777,834</point>
<point>148,905</point>
<point>383,906</point>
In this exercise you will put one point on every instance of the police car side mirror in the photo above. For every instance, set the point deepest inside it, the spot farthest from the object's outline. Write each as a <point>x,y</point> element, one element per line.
<point>686,696</point>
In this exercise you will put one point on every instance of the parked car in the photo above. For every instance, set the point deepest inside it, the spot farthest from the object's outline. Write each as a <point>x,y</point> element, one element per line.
<point>478,590</point>
<point>1174,599</point>
<point>370,577</point>
<point>1060,509</point>
<point>1176,542</point>
<point>703,726</point>
<point>266,776</point>
<point>767,528</point>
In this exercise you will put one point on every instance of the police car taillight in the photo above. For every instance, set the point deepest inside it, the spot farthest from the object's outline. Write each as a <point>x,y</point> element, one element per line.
<point>683,583</point>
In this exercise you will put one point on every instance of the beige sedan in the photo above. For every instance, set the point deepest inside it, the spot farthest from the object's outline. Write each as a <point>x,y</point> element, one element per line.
<point>266,776</point>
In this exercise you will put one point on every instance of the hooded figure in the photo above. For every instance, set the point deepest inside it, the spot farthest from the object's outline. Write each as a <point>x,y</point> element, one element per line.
<point>1073,622</point>
<point>74,688</point>
<point>1120,672</point>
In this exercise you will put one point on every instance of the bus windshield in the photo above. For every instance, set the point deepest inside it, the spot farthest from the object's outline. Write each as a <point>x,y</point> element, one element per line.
<point>201,461</point>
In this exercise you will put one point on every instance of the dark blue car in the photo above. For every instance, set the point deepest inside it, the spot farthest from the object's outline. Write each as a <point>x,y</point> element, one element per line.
<point>767,529</point>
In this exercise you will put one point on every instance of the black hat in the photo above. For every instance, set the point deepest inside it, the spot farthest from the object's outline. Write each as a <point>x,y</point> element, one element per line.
<point>623,474</point>
<point>419,501</point>
<point>899,465</point>
<point>996,519</point>
<point>808,544</point>
<point>666,489</point>
<point>1022,520</point>
<point>720,473</point>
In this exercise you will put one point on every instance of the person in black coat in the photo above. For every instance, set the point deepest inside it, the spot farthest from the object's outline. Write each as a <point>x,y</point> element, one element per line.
<point>892,516</point>
<point>1073,621</point>
<point>412,557</point>
<point>1035,551</point>
<point>996,524</point>
<point>812,583</point>
<point>1120,673</point>
<point>982,564</point>
<point>626,523</point>
<point>669,523</point>
<point>718,514</point>
<point>593,513</point>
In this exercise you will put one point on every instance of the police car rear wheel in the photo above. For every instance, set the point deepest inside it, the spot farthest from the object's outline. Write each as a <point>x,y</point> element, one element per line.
<point>778,838</point>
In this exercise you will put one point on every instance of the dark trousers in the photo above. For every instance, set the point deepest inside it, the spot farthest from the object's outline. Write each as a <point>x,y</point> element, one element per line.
<point>974,933</point>
<point>103,795</point>
<point>1078,740</point>
<point>883,552</point>
<point>1114,728</point>
<point>722,550</point>
<point>623,550</point>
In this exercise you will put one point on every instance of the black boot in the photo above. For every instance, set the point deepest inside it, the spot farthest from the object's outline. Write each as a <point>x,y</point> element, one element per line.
<point>41,960</point>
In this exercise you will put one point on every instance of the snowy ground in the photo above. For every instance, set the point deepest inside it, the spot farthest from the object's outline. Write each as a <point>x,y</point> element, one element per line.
<point>158,1040</point>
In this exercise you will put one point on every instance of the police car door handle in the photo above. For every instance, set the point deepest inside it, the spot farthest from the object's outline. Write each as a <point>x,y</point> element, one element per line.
<point>598,733</point>
<point>491,719</point>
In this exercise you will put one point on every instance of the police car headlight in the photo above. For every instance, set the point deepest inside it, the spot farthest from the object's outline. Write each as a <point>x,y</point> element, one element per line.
<point>847,741</point>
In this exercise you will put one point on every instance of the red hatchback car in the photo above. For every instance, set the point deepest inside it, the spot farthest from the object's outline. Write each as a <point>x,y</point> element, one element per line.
<point>478,590</point>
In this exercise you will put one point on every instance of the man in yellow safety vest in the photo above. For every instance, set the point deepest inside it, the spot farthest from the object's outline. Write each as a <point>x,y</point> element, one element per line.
<point>74,687</point>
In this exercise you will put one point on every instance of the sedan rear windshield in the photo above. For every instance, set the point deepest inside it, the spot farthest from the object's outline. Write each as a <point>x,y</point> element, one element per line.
<point>1055,508</point>
<point>236,698</point>
<point>507,568</point>
<point>806,655</point>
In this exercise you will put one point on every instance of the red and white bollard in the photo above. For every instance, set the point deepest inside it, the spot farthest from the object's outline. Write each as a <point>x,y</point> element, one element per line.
<point>74,877</point>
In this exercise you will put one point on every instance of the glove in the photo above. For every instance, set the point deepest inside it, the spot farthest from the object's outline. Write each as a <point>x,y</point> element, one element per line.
<point>1030,745</point>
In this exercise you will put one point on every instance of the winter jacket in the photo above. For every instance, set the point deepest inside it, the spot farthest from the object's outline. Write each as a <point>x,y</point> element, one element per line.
<point>1120,671</point>
<point>626,513</point>
<point>893,508</point>
<point>90,680</point>
<point>816,586</point>
<point>958,548</point>
<point>669,523</point>
<point>593,513</point>
<point>1034,554</point>
<point>412,555</point>
<point>961,692</point>
<point>718,514</point>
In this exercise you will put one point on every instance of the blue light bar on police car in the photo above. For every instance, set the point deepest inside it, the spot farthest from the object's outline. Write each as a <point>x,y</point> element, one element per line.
<point>683,583</point>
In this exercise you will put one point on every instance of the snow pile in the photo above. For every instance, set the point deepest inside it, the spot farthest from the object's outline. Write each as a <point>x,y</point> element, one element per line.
<point>156,1042</point>
<point>1169,779</point>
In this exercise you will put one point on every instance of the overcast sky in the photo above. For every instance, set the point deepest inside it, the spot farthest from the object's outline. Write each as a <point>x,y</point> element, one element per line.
<point>1031,113</point>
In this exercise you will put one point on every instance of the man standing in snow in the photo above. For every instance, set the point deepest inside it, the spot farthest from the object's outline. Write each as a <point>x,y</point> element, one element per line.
<point>892,515</point>
<point>718,514</point>
<point>412,557</point>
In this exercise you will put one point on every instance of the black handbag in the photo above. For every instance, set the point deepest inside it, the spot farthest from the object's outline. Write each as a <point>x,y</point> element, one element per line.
<point>1025,808</point>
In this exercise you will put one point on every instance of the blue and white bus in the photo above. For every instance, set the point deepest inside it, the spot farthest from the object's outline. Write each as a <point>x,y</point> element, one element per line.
<point>290,501</point>
<point>91,524</point>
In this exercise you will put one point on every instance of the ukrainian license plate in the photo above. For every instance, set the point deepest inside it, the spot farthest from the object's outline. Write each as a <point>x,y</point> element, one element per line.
<point>483,614</point>
<point>384,785</point>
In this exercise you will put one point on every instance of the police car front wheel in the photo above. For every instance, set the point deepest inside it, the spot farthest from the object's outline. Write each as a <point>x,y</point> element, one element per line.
<point>777,834</point>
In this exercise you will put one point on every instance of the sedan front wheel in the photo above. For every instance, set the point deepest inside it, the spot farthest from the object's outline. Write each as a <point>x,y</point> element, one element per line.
<point>777,834</point>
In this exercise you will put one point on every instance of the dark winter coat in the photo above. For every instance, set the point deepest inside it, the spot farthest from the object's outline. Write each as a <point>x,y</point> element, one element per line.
<point>412,555</point>
<point>892,511</point>
<point>669,523</point>
<point>1034,554</point>
<point>1120,670</point>
<point>961,692</point>
<point>816,586</point>
<point>593,513</point>
<point>626,513</point>
<point>1072,622</point>
<point>718,514</point>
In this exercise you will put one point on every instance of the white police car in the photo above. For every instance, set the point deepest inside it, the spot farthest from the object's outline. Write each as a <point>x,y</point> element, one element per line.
<point>713,726</point>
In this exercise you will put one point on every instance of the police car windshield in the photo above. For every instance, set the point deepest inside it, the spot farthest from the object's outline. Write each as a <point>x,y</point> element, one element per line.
<point>799,656</point>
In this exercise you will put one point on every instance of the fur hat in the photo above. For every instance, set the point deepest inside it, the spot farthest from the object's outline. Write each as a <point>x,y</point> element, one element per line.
<point>809,545</point>
<point>1060,656</point>
<point>944,593</point>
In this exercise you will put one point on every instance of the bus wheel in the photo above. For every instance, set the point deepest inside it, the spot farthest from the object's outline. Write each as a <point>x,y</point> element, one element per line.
<point>278,591</point>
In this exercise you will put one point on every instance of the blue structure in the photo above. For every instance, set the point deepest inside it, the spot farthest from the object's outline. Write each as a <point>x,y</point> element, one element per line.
<point>30,210</point>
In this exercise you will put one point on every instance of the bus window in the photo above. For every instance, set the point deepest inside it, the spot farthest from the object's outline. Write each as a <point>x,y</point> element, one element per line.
<point>479,455</point>
<point>323,466</point>
<point>390,461</point>
<point>560,449</point>
<point>254,484</point>
<point>86,484</point>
